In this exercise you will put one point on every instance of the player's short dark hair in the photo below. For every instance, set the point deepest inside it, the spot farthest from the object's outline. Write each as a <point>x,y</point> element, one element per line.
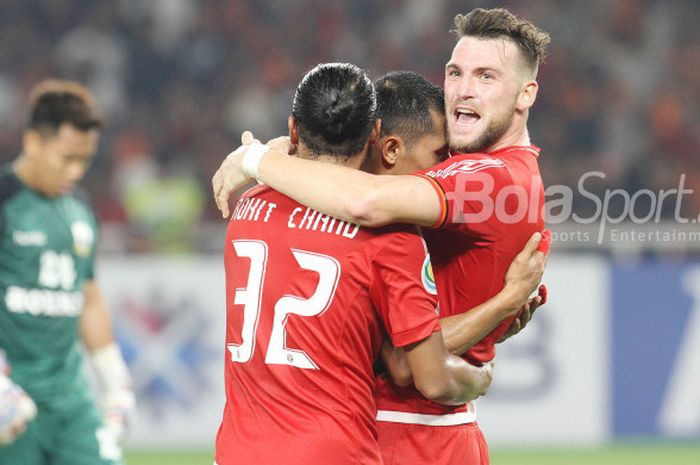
<point>404,102</point>
<point>53,103</point>
<point>334,106</point>
<point>500,23</point>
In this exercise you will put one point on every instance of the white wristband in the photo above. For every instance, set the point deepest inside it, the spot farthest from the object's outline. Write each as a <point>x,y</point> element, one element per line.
<point>251,159</point>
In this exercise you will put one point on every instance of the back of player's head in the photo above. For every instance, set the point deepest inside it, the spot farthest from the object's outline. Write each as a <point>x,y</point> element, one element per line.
<point>404,103</point>
<point>334,107</point>
<point>54,103</point>
<point>499,23</point>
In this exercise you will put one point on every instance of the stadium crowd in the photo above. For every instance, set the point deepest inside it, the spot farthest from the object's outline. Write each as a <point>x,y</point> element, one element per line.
<point>178,80</point>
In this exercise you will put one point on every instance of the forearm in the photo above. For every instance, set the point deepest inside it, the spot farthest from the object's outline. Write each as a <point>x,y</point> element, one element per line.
<point>461,331</point>
<point>95,326</point>
<point>349,194</point>
<point>468,382</point>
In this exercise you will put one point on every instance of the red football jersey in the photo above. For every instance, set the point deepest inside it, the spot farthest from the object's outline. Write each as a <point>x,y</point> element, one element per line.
<point>492,204</point>
<point>308,300</point>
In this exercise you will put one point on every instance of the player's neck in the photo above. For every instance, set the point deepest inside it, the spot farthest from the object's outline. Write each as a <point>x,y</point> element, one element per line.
<point>354,161</point>
<point>26,172</point>
<point>514,137</point>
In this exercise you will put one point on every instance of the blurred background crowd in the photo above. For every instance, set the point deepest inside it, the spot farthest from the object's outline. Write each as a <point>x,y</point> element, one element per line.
<point>178,80</point>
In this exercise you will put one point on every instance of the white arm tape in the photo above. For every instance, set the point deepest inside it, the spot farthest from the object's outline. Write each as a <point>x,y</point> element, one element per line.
<point>251,159</point>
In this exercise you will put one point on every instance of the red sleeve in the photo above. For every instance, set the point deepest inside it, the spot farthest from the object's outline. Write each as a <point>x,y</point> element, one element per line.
<point>467,189</point>
<point>404,303</point>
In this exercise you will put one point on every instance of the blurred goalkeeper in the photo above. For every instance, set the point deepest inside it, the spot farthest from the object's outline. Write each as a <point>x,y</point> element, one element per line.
<point>49,298</point>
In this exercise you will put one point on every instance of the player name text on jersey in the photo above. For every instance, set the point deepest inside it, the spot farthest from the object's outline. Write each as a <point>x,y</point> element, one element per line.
<point>256,209</point>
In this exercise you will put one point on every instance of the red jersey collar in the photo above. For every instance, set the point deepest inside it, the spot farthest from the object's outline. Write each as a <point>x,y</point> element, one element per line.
<point>531,149</point>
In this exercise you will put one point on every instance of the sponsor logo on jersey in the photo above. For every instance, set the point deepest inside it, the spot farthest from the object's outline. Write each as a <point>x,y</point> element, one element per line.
<point>427,276</point>
<point>466,166</point>
<point>83,238</point>
<point>43,302</point>
<point>29,238</point>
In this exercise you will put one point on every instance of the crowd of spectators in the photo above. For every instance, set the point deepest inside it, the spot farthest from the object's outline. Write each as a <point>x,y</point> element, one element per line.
<point>179,79</point>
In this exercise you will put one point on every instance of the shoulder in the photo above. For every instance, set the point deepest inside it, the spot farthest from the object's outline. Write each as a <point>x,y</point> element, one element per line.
<point>464,164</point>
<point>80,197</point>
<point>397,239</point>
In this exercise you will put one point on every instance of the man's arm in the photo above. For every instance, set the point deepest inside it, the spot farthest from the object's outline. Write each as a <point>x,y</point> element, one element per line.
<point>113,376</point>
<point>95,326</point>
<point>461,331</point>
<point>445,378</point>
<point>347,194</point>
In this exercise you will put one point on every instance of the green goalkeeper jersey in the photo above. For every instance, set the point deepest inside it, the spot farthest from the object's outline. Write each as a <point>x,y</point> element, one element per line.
<point>47,247</point>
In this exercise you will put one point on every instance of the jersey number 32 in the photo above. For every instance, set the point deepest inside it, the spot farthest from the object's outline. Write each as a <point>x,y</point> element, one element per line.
<point>328,269</point>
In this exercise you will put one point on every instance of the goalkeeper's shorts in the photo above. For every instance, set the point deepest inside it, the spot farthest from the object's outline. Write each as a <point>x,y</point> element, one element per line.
<point>64,436</point>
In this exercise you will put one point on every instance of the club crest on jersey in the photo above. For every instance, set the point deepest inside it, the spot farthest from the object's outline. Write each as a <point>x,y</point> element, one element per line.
<point>83,238</point>
<point>428,277</point>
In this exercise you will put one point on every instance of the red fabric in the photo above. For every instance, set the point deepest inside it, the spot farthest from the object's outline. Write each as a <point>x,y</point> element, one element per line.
<point>403,444</point>
<point>281,414</point>
<point>470,259</point>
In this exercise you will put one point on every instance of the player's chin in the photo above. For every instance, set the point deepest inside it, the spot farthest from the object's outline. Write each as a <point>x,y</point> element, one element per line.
<point>463,144</point>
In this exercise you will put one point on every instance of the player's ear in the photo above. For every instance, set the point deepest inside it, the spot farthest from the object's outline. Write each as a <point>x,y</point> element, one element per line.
<point>392,147</point>
<point>293,134</point>
<point>32,141</point>
<point>376,130</point>
<point>527,95</point>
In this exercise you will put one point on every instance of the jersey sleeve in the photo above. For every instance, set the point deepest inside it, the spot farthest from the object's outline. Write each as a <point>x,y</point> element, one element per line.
<point>399,290</point>
<point>89,216</point>
<point>467,190</point>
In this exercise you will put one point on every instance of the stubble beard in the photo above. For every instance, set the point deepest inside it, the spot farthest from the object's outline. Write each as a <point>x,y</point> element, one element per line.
<point>487,139</point>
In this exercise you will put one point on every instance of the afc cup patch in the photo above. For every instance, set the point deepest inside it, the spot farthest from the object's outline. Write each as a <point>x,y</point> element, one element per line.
<point>427,276</point>
<point>83,238</point>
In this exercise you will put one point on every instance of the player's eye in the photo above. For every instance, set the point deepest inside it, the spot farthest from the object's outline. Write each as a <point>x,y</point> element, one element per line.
<point>453,72</point>
<point>487,76</point>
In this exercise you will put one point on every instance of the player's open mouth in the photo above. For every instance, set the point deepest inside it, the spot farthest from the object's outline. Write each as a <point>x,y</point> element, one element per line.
<point>466,116</point>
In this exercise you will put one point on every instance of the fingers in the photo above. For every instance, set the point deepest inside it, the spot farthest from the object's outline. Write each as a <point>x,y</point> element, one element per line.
<point>281,144</point>
<point>248,138</point>
<point>222,201</point>
<point>532,244</point>
<point>515,327</point>
<point>544,244</point>
<point>217,184</point>
<point>542,293</point>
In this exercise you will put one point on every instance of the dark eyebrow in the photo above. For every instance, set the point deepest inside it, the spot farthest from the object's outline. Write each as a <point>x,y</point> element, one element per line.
<point>486,69</point>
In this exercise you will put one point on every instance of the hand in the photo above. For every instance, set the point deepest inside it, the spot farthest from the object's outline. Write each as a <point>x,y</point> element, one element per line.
<point>118,400</point>
<point>526,270</point>
<point>118,409</point>
<point>16,410</point>
<point>230,175</point>
<point>526,313</point>
<point>281,144</point>
<point>396,365</point>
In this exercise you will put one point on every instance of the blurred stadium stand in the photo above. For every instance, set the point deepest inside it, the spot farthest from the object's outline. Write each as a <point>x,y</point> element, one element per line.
<point>614,354</point>
<point>179,79</point>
